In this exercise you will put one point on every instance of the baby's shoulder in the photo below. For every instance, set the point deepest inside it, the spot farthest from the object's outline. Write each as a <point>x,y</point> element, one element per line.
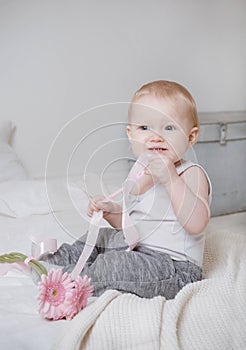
<point>196,178</point>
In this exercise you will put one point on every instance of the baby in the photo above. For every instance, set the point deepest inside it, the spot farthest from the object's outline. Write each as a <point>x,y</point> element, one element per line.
<point>169,204</point>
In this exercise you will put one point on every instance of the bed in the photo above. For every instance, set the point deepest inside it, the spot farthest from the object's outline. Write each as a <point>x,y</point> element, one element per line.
<point>210,314</point>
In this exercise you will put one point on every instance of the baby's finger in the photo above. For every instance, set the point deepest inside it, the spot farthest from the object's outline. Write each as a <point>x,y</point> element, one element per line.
<point>103,205</point>
<point>91,209</point>
<point>146,171</point>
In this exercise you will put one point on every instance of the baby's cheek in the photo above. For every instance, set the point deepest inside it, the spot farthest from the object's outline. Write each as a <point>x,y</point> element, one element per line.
<point>137,148</point>
<point>179,144</point>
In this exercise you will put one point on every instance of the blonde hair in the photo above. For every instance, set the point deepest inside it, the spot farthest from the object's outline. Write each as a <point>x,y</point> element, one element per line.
<point>167,89</point>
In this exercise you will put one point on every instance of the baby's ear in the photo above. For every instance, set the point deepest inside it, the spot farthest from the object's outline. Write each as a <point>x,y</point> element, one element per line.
<point>194,134</point>
<point>129,132</point>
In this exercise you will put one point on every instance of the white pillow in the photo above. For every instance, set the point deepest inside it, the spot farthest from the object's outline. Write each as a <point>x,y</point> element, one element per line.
<point>38,197</point>
<point>11,167</point>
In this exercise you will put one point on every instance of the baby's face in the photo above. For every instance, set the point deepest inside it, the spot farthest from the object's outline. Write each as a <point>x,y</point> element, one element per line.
<point>160,126</point>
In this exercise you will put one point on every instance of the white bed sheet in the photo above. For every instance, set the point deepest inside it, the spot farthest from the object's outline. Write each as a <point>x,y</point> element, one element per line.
<point>21,326</point>
<point>25,212</point>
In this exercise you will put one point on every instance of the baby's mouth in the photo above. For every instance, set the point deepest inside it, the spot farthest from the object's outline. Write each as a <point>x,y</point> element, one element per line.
<point>157,149</point>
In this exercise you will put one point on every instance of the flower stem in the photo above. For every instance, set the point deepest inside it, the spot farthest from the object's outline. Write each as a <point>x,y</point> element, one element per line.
<point>39,268</point>
<point>19,257</point>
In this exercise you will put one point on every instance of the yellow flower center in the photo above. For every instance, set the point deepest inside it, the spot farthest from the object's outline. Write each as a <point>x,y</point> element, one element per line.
<point>54,293</point>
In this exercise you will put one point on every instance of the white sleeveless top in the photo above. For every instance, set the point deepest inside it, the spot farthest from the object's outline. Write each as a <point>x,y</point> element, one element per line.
<point>158,227</point>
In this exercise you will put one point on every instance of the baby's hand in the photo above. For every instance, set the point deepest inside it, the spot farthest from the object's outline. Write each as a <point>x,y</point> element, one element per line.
<point>161,168</point>
<point>100,203</point>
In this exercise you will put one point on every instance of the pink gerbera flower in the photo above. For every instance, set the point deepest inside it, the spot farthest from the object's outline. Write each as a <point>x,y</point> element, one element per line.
<point>83,290</point>
<point>61,297</point>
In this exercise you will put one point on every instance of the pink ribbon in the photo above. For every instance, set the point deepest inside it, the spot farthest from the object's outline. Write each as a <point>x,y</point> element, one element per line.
<point>28,259</point>
<point>42,246</point>
<point>129,230</point>
<point>18,265</point>
<point>131,235</point>
<point>38,247</point>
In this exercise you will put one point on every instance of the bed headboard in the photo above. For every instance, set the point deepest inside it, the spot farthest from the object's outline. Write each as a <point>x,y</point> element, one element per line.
<point>221,150</point>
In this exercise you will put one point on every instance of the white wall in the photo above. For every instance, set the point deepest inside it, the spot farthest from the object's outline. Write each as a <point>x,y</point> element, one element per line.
<point>61,57</point>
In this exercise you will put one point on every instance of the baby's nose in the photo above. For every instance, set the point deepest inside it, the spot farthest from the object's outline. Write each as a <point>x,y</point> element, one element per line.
<point>156,136</point>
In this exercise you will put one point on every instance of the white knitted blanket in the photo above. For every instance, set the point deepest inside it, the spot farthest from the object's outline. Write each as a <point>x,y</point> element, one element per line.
<point>210,314</point>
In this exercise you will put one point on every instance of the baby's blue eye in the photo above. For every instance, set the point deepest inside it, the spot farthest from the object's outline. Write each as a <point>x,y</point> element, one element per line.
<point>144,127</point>
<point>170,127</point>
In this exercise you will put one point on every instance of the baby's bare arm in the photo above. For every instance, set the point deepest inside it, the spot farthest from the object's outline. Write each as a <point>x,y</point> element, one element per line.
<point>188,192</point>
<point>112,212</point>
<point>189,195</point>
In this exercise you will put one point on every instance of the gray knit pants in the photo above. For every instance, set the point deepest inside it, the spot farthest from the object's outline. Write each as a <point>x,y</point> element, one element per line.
<point>142,271</point>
